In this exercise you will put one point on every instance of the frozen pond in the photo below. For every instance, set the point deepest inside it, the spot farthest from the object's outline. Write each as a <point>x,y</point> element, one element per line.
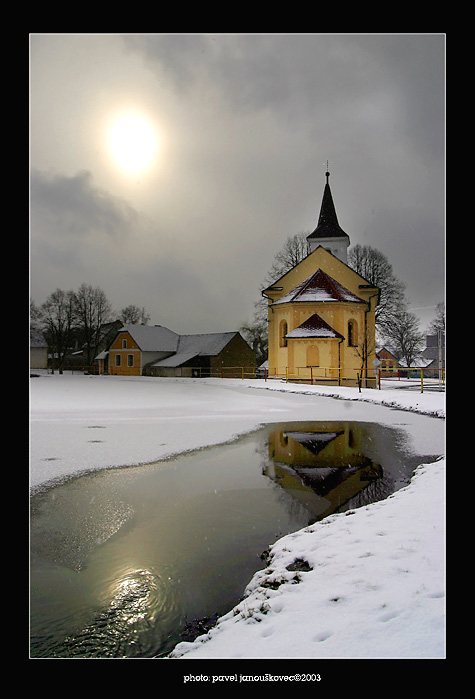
<point>122,560</point>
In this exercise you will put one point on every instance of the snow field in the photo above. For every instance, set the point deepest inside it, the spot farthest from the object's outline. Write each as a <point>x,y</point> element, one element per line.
<point>373,583</point>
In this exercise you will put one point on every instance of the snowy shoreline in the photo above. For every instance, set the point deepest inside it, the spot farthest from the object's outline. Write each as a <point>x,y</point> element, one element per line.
<point>374,581</point>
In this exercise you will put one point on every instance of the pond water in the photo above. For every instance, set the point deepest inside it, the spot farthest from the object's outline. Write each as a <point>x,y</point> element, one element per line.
<point>125,561</point>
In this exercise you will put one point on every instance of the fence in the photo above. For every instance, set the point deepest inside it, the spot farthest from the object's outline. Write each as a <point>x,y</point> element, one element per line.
<point>229,372</point>
<point>335,376</point>
<point>361,378</point>
<point>430,378</point>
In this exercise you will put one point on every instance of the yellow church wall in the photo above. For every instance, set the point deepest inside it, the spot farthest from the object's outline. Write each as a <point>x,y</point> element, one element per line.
<point>337,359</point>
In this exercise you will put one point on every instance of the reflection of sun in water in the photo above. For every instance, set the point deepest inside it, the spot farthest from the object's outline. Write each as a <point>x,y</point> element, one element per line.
<point>133,142</point>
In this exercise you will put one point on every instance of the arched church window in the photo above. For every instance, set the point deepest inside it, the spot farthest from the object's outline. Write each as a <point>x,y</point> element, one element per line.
<point>283,333</point>
<point>352,333</point>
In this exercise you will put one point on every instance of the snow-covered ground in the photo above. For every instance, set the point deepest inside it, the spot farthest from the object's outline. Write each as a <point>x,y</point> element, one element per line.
<point>375,584</point>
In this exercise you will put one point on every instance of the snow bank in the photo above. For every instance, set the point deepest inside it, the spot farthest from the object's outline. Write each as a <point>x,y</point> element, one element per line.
<point>368,583</point>
<point>403,395</point>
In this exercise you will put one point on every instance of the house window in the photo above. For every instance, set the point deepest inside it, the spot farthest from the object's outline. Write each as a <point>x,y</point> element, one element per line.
<point>124,344</point>
<point>130,360</point>
<point>117,359</point>
<point>352,334</point>
<point>283,333</point>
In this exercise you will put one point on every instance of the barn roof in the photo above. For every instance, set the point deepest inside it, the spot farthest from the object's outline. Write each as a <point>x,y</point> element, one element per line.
<point>201,345</point>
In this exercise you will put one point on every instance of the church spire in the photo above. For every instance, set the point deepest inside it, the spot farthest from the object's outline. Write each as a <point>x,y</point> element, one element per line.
<point>328,232</point>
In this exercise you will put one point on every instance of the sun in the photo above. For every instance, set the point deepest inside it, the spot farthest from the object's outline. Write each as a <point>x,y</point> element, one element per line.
<point>133,142</point>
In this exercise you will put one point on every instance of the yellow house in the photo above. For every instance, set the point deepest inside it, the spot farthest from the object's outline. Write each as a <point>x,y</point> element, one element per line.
<point>321,313</point>
<point>139,350</point>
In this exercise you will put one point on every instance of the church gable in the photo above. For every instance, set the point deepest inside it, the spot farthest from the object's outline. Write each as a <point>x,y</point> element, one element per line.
<point>319,287</point>
<point>328,263</point>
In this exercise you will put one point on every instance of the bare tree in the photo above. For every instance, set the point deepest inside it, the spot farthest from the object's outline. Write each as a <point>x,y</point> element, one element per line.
<point>36,315</point>
<point>373,266</point>
<point>365,348</point>
<point>256,336</point>
<point>293,251</point>
<point>439,321</point>
<point>92,310</point>
<point>134,315</point>
<point>404,335</point>
<point>58,313</point>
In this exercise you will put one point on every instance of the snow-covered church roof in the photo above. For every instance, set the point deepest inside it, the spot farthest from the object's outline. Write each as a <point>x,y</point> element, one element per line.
<point>319,287</point>
<point>314,327</point>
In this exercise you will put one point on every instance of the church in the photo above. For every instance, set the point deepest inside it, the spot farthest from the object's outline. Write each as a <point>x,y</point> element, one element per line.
<point>321,313</point>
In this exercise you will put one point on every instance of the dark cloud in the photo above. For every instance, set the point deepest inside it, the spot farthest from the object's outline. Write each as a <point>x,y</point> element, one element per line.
<point>301,75</point>
<point>248,123</point>
<point>76,229</point>
<point>68,206</point>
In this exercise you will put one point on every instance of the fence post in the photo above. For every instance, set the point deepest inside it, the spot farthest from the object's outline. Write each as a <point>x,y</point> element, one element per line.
<point>422,380</point>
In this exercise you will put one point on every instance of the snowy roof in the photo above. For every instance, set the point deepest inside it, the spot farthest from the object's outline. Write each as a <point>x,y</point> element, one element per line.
<point>319,287</point>
<point>190,346</point>
<point>205,344</point>
<point>153,338</point>
<point>314,327</point>
<point>175,360</point>
<point>417,363</point>
<point>388,348</point>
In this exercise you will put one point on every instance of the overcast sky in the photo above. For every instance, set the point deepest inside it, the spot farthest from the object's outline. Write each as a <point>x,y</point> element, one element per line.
<point>242,127</point>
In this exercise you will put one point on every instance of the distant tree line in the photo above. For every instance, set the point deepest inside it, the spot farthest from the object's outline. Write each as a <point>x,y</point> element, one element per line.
<point>76,320</point>
<point>396,325</point>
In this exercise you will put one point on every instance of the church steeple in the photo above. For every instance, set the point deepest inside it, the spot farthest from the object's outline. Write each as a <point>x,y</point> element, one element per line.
<point>328,232</point>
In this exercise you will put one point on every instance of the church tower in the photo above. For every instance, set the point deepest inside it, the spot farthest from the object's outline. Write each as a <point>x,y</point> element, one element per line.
<point>328,233</point>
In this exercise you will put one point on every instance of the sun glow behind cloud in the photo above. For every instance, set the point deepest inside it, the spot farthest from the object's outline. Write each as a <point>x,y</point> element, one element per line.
<point>133,141</point>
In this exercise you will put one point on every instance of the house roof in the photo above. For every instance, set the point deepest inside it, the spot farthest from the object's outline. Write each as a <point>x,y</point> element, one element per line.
<point>190,346</point>
<point>314,327</point>
<point>153,338</point>
<point>319,287</point>
<point>418,363</point>
<point>388,348</point>
<point>328,226</point>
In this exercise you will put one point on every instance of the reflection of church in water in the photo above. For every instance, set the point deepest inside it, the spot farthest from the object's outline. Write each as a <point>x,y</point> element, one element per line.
<point>324,467</point>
